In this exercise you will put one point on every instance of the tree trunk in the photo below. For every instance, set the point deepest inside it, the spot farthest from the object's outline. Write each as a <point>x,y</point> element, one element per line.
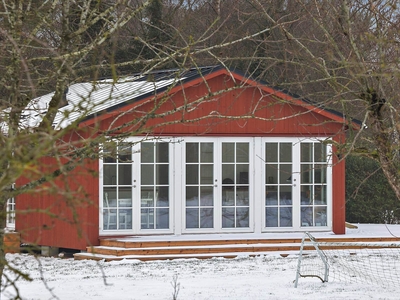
<point>3,223</point>
<point>385,147</point>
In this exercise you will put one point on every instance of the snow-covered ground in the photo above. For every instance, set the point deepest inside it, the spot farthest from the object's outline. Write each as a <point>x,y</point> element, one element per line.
<point>269,276</point>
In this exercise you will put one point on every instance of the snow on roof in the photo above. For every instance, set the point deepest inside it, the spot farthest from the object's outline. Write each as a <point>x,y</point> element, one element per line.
<point>89,98</point>
<point>85,99</point>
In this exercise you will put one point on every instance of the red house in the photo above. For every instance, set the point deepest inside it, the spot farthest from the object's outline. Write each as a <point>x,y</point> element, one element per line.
<point>205,151</point>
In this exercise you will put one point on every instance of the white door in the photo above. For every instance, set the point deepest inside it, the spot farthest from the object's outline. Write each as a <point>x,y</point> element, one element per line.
<point>116,188</point>
<point>217,185</point>
<point>135,187</point>
<point>152,184</point>
<point>297,180</point>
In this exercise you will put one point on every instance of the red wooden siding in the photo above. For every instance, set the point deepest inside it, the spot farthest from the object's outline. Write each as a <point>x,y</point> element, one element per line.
<point>246,111</point>
<point>339,191</point>
<point>63,213</point>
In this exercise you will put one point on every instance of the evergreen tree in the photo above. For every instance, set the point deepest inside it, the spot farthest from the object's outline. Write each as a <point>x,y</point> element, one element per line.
<point>369,196</point>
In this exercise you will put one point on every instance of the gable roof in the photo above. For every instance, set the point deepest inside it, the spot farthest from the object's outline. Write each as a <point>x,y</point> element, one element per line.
<point>92,99</point>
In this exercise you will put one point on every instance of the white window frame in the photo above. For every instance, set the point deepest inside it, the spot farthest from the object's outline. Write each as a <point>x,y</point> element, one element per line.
<point>135,185</point>
<point>177,191</point>
<point>296,182</point>
<point>10,223</point>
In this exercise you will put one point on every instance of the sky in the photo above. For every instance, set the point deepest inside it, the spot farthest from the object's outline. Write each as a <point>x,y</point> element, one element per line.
<point>268,276</point>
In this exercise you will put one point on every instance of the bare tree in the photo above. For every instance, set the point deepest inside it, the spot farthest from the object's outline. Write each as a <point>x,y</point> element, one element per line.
<point>47,47</point>
<point>342,54</point>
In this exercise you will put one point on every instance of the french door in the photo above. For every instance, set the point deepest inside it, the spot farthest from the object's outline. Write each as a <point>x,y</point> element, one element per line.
<point>217,185</point>
<point>135,182</point>
<point>297,184</point>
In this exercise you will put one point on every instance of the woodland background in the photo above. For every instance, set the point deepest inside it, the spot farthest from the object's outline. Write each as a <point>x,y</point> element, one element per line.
<point>341,55</point>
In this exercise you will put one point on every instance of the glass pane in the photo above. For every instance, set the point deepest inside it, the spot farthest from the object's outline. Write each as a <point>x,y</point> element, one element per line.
<point>147,197</point>
<point>228,152</point>
<point>109,159</point>
<point>271,197</point>
<point>242,217</point>
<point>242,174</point>
<point>192,196</point>
<point>147,174</point>
<point>207,152</point>
<point>147,152</point>
<point>125,219</point>
<point>320,195</point>
<point>228,174</point>
<point>271,152</point>
<point>228,196</point>
<point>320,216</point>
<point>192,218</point>
<point>206,174</point>
<point>162,196</point>
<point>147,218</point>
<point>206,196</point>
<point>162,174</point>
<point>206,218</point>
<point>192,152</point>
<point>242,152</point>
<point>162,217</point>
<point>162,153</point>
<point>285,152</point>
<point>306,152</point>
<point>285,174</point>
<point>285,217</point>
<point>109,153</point>
<point>271,217</point>
<point>244,177</point>
<point>306,195</point>
<point>320,174</point>
<point>125,197</point>
<point>285,195</point>
<point>228,217</point>
<point>306,216</point>
<point>306,173</point>
<point>110,197</point>
<point>109,219</point>
<point>320,152</point>
<point>125,174</point>
<point>109,174</point>
<point>192,174</point>
<point>242,198</point>
<point>271,171</point>
<point>124,153</point>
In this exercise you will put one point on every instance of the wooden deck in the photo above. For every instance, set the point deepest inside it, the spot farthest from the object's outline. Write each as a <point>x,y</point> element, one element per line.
<point>118,249</point>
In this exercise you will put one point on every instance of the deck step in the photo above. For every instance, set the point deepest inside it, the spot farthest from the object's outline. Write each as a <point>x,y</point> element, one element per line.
<point>118,249</point>
<point>121,243</point>
<point>207,249</point>
<point>107,258</point>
